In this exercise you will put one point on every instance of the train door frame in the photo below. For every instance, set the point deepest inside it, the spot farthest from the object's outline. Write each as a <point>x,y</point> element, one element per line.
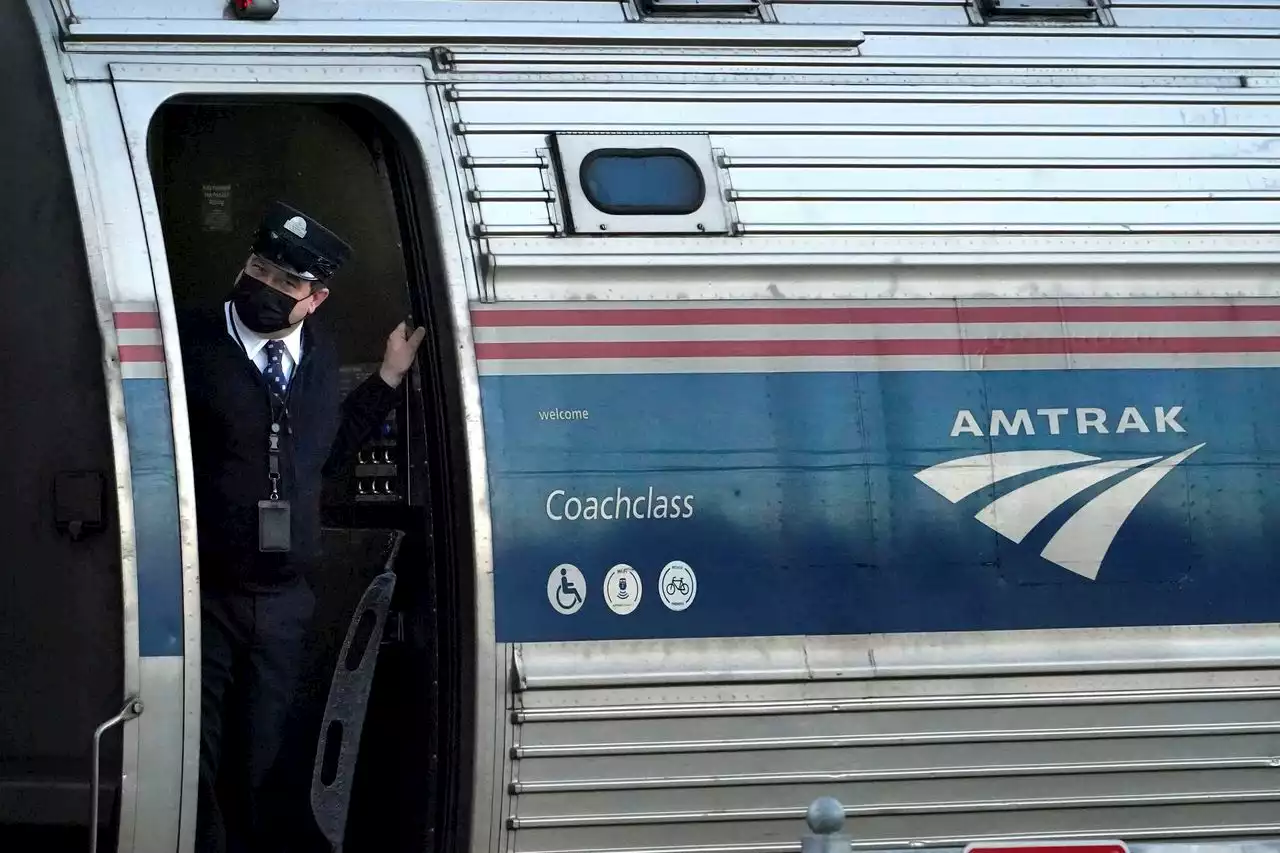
<point>74,670</point>
<point>402,92</point>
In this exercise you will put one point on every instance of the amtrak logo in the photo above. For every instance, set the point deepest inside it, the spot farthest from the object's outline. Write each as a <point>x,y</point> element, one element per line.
<point>1081,543</point>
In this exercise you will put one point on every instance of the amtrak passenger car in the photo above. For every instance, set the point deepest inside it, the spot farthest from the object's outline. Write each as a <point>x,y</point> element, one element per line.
<point>866,398</point>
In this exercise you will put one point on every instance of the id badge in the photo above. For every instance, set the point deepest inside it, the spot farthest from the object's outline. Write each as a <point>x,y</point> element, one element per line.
<point>273,526</point>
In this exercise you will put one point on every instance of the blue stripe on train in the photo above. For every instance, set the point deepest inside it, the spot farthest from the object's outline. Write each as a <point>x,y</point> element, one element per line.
<point>155,507</point>
<point>794,497</point>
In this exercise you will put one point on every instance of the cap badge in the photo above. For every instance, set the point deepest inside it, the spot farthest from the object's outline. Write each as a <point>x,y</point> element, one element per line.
<point>297,226</point>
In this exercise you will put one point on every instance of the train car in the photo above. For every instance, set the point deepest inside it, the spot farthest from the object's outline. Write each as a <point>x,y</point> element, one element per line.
<point>864,398</point>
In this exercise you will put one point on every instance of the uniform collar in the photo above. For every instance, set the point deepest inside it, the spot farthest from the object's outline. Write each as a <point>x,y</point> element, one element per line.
<point>254,342</point>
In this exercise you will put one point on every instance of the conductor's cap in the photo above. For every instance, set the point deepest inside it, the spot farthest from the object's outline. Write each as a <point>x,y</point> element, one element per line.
<point>292,240</point>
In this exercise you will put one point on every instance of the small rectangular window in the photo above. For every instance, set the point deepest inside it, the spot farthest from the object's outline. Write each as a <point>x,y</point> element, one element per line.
<point>641,184</point>
<point>1019,11</point>
<point>698,8</point>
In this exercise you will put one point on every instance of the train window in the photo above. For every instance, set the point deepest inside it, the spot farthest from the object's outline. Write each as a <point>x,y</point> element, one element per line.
<point>638,181</point>
<point>1040,11</point>
<point>700,8</point>
<point>665,185</point>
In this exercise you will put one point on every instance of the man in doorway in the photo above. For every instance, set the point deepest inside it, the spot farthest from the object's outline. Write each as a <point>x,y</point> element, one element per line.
<point>266,424</point>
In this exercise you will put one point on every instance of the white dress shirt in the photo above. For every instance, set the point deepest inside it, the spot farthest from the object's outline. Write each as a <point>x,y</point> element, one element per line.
<point>254,343</point>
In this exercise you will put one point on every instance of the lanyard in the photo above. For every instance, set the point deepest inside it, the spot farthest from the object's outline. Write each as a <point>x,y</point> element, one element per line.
<point>277,421</point>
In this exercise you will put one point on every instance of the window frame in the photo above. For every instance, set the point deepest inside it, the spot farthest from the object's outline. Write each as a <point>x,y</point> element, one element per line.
<point>573,151</point>
<point>1064,13</point>
<point>750,10</point>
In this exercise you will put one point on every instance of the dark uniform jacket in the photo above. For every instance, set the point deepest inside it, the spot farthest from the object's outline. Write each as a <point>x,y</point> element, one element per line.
<point>230,413</point>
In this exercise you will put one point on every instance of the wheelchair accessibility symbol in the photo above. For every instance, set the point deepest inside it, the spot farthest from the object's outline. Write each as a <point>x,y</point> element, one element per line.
<point>566,589</point>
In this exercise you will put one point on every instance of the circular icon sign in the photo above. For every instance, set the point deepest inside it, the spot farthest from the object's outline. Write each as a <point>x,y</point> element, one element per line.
<point>622,589</point>
<point>678,585</point>
<point>566,589</point>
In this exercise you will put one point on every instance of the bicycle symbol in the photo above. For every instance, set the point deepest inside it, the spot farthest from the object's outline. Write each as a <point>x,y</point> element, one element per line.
<point>678,585</point>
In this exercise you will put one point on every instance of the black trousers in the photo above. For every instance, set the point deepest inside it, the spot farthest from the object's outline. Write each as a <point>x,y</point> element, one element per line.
<point>252,653</point>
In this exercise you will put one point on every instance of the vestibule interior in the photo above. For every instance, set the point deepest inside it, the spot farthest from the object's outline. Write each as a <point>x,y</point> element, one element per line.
<point>215,165</point>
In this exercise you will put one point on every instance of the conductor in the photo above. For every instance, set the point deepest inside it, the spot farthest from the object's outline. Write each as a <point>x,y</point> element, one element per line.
<point>266,425</point>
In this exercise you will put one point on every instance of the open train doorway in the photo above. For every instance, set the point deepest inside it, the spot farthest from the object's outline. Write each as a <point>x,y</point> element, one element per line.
<point>216,165</point>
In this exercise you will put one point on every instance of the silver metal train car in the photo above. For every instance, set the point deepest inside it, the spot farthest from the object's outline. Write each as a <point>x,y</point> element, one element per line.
<point>850,397</point>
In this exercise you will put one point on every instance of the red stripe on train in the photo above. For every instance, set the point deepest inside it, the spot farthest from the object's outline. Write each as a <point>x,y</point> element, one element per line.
<point>137,320</point>
<point>134,354</point>
<point>771,349</point>
<point>800,316</point>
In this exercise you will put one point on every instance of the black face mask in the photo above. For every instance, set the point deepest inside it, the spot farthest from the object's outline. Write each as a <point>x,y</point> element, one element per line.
<point>263,309</point>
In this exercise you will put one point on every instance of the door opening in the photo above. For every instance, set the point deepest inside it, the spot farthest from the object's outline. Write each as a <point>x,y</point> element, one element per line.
<point>216,165</point>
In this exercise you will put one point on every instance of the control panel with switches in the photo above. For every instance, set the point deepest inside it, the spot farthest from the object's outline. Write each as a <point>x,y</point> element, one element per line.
<point>378,473</point>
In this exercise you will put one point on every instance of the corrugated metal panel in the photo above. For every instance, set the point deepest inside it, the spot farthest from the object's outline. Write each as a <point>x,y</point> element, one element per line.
<point>916,761</point>
<point>585,11</point>
<point>1103,45</point>
<point>1197,14</point>
<point>923,13</point>
<point>911,159</point>
<point>1194,14</point>
<point>828,60</point>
